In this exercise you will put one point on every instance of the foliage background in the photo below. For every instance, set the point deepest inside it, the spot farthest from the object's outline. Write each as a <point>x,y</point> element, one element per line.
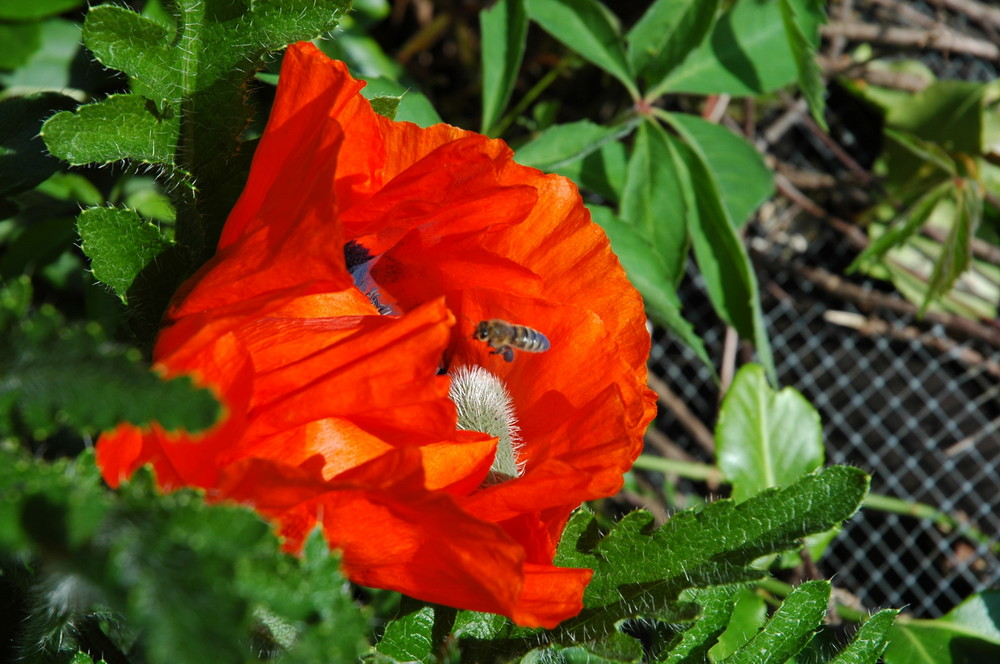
<point>64,335</point>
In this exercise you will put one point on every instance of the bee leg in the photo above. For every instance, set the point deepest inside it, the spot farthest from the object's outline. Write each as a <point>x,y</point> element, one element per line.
<point>506,352</point>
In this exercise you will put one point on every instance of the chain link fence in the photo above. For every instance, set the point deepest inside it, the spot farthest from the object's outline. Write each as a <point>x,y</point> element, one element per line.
<point>902,398</point>
<point>919,413</point>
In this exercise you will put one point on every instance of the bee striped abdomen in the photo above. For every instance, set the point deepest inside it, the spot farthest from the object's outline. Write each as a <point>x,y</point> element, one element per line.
<point>504,337</point>
<point>529,340</point>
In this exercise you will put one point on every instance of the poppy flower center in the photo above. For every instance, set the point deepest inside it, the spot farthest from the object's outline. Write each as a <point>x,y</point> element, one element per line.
<point>484,404</point>
<point>359,262</point>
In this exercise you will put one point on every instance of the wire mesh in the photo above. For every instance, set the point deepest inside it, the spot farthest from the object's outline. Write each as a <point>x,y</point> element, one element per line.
<point>925,424</point>
<point>904,401</point>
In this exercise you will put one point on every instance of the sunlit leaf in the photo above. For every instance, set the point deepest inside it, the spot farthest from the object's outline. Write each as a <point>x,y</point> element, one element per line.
<point>504,28</point>
<point>590,29</point>
<point>666,33</point>
<point>968,633</point>
<point>765,437</point>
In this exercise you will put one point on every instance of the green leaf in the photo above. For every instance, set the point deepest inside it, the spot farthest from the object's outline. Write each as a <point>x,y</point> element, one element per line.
<point>645,269</point>
<point>956,252</point>
<point>199,61</point>
<point>119,244</point>
<point>191,582</point>
<point>590,29</point>
<point>55,374</point>
<point>20,41</point>
<point>968,633</point>
<point>23,161</point>
<point>789,629</point>
<point>929,151</point>
<point>504,28</point>
<point>49,66</point>
<point>719,252</point>
<point>118,127</point>
<point>666,33</point>
<point>949,113</point>
<point>697,640</point>
<point>764,437</point>
<point>744,179</point>
<point>747,617</point>
<point>140,47</point>
<point>19,10</point>
<point>145,196</point>
<point>560,145</point>
<point>639,570</point>
<point>385,105</point>
<point>804,51</point>
<point>314,599</point>
<point>909,222</point>
<point>653,203</point>
<point>869,643</point>
<point>601,172</point>
<point>36,245</point>
<point>413,106</point>
<point>410,636</point>
<point>747,53</point>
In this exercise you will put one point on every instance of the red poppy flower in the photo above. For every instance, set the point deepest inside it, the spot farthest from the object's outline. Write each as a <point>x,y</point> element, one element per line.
<point>343,298</point>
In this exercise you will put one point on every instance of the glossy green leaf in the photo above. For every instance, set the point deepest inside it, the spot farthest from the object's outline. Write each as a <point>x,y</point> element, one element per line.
<point>590,29</point>
<point>968,633</point>
<point>119,244</point>
<point>646,270</point>
<point>746,53</point>
<point>19,10</point>
<point>870,641</point>
<point>765,437</point>
<point>719,252</point>
<point>23,160</point>
<point>559,145</point>
<point>804,51</point>
<point>653,203</point>
<point>56,374</point>
<point>504,28</point>
<point>666,33</point>
<point>636,565</point>
<point>745,181</point>
<point>789,629</point>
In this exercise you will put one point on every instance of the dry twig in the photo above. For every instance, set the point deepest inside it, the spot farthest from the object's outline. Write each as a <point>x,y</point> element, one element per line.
<point>688,420</point>
<point>939,39</point>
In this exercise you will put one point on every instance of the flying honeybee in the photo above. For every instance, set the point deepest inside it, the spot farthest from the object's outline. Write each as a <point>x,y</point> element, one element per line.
<point>504,337</point>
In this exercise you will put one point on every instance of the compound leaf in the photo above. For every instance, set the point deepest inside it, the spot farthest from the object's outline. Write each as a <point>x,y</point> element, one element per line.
<point>55,373</point>
<point>641,570</point>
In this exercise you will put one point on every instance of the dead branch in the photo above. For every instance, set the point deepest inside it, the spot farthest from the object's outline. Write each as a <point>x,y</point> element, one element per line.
<point>688,420</point>
<point>937,39</point>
